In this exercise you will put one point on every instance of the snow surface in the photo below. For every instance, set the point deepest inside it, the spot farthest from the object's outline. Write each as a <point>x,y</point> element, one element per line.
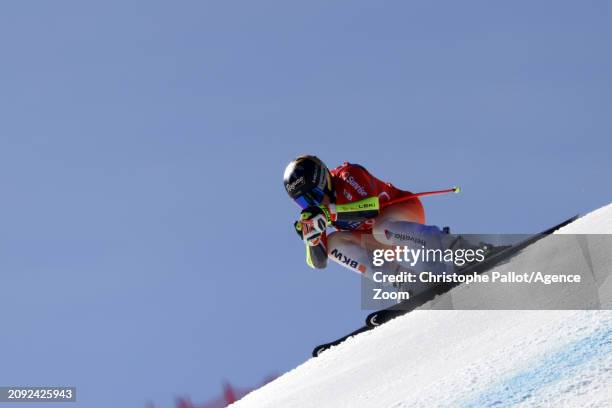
<point>468,358</point>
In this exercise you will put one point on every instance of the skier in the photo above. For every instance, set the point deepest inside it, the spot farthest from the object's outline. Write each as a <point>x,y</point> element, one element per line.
<point>369,214</point>
<point>364,212</point>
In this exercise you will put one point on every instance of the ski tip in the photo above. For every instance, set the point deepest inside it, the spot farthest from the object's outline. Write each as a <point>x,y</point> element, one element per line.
<point>319,349</point>
<point>456,189</point>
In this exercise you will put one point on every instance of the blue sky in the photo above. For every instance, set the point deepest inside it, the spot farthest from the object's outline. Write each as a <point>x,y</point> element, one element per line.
<point>146,248</point>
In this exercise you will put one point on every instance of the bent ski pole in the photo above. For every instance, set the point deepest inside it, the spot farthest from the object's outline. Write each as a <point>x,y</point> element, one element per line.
<point>424,193</point>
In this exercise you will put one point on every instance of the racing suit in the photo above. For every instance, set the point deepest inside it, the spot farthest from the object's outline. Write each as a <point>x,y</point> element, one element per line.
<point>366,219</point>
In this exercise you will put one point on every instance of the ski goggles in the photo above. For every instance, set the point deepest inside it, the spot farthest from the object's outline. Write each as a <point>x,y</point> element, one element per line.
<point>313,197</point>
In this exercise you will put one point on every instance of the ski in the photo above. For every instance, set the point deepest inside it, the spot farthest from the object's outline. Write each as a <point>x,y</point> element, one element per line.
<point>382,316</point>
<point>321,348</point>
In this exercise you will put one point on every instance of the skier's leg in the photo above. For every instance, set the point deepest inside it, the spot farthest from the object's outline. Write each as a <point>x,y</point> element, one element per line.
<point>353,250</point>
<point>398,225</point>
<point>401,225</point>
<point>407,233</point>
<point>398,228</point>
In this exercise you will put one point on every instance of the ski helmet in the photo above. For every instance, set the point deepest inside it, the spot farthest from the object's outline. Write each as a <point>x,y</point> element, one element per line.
<point>307,181</point>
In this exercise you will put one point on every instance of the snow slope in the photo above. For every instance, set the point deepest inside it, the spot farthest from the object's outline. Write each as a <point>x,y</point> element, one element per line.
<point>470,358</point>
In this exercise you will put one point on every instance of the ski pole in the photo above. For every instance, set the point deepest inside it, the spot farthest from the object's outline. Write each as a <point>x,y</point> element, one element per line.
<point>424,193</point>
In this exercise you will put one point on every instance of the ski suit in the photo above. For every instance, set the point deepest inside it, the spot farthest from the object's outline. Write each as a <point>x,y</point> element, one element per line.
<point>365,221</point>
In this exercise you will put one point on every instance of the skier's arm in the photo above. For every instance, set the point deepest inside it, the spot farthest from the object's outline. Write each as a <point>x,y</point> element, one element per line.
<point>356,211</point>
<point>316,256</point>
<point>312,229</point>
<point>314,221</point>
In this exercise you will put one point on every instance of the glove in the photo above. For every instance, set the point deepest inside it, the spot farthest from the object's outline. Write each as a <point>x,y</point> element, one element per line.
<point>312,224</point>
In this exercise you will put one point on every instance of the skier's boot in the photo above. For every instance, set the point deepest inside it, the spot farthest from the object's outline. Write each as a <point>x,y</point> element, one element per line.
<point>456,242</point>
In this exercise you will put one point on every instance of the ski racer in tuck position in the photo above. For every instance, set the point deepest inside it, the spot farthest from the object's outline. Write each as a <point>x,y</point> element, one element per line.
<point>367,213</point>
